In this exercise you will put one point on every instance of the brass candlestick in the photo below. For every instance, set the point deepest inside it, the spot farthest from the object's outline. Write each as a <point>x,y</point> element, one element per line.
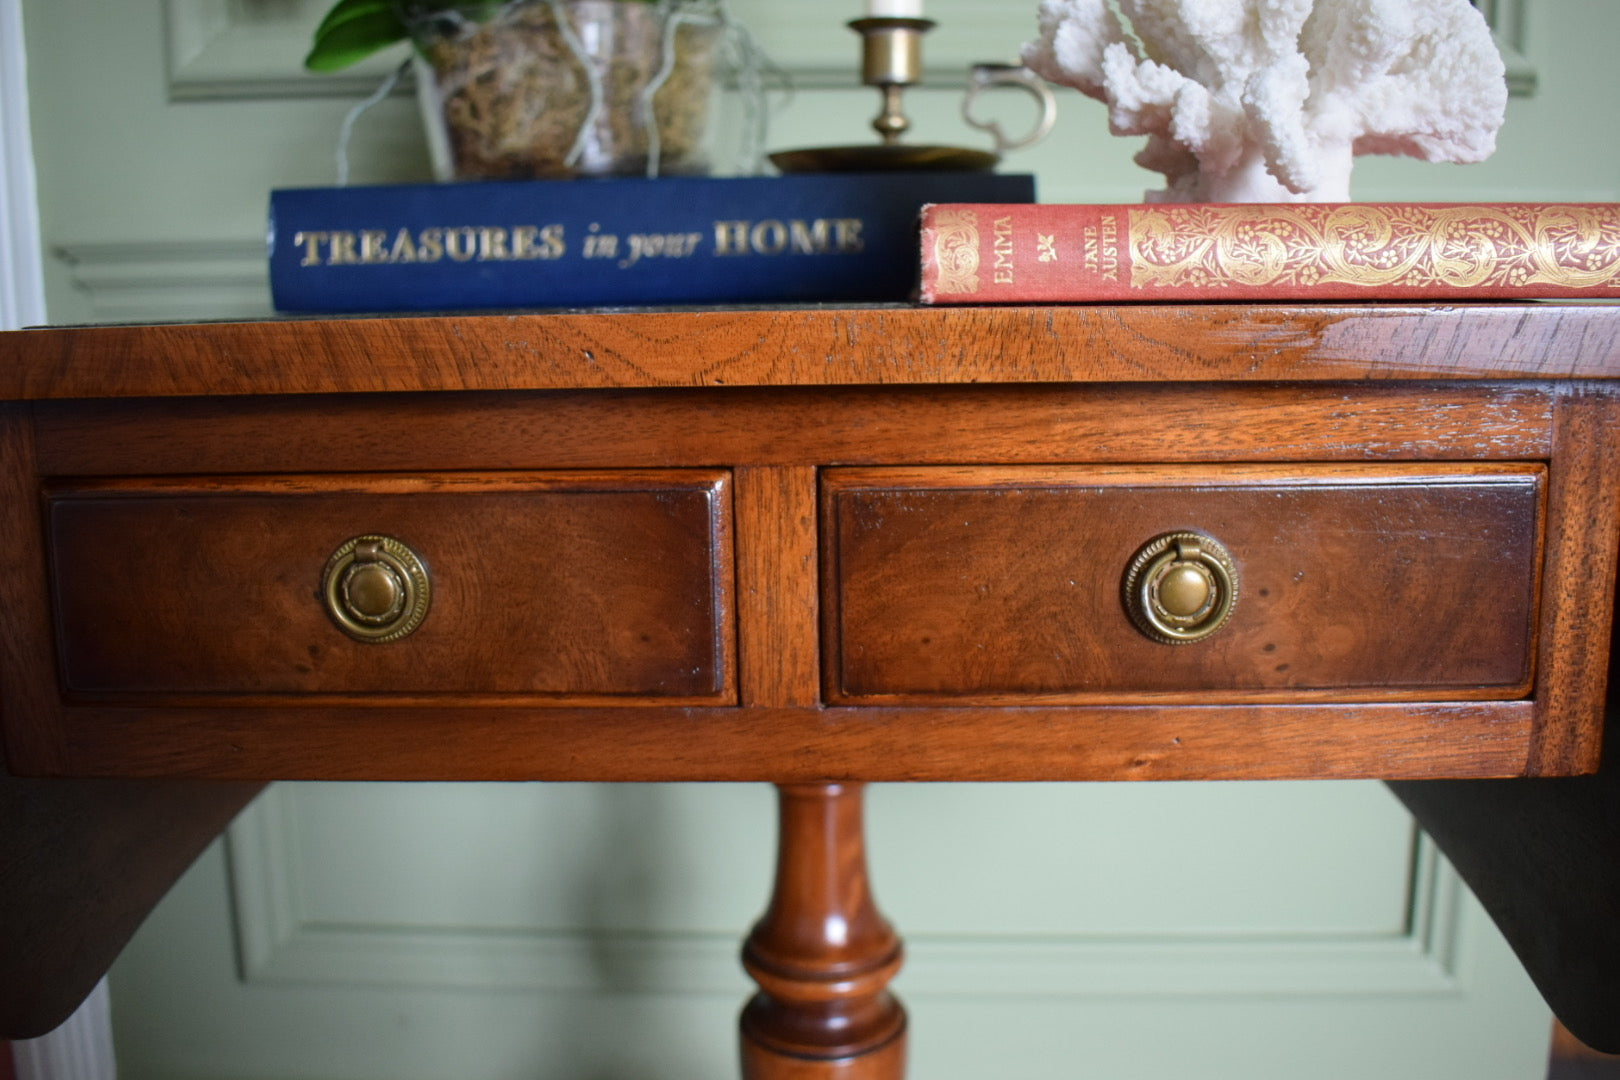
<point>891,60</point>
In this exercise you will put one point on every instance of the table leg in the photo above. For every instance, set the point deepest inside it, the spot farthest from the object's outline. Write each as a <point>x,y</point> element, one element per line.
<point>822,954</point>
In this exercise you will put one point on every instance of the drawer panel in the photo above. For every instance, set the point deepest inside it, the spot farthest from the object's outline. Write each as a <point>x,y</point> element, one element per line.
<point>1003,585</point>
<point>579,586</point>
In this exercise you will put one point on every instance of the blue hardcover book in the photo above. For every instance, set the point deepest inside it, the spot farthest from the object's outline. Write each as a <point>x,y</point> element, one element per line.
<point>590,243</point>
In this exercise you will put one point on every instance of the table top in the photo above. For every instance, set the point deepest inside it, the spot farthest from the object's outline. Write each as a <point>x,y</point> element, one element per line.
<point>818,346</point>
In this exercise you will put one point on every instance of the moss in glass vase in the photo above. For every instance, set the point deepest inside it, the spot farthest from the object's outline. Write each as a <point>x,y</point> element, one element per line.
<point>548,88</point>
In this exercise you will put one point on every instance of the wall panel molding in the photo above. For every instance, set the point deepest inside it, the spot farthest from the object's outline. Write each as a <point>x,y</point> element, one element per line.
<point>161,280</point>
<point>221,50</point>
<point>1507,20</point>
<point>254,49</point>
<point>232,49</point>
<point>278,943</point>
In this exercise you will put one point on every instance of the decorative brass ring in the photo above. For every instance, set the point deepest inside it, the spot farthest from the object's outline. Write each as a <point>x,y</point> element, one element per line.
<point>1181,587</point>
<point>376,589</point>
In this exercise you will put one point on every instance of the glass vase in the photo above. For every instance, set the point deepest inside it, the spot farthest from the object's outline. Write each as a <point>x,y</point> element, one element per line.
<point>566,88</point>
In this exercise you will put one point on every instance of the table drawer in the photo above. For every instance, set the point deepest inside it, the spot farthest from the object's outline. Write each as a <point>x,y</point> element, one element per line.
<point>1006,585</point>
<point>609,586</point>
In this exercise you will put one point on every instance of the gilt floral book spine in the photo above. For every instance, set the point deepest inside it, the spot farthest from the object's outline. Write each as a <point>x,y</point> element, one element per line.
<point>1078,253</point>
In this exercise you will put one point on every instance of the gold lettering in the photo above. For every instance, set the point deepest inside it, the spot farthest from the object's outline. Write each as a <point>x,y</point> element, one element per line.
<point>523,237</point>
<point>847,234</point>
<point>731,238</point>
<point>601,246</point>
<point>311,243</point>
<point>818,236</point>
<point>1110,247</point>
<point>486,243</point>
<point>523,246</point>
<point>642,245</point>
<point>1003,248</point>
<point>431,243</point>
<point>492,245</point>
<point>342,251</point>
<point>404,249</point>
<point>554,242</point>
<point>373,246</point>
<point>810,239</point>
<point>461,244</point>
<point>768,237</point>
<point>666,245</point>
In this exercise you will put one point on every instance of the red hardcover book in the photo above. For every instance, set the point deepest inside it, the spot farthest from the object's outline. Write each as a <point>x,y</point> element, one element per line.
<point>977,253</point>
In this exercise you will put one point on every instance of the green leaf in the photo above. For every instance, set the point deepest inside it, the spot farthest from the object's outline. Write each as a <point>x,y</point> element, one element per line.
<point>352,31</point>
<point>348,9</point>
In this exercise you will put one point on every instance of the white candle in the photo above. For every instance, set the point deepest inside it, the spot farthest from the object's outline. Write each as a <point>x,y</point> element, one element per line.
<point>894,9</point>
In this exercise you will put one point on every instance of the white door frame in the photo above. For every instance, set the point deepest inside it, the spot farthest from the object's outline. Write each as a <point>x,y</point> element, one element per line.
<point>81,1049</point>
<point>22,281</point>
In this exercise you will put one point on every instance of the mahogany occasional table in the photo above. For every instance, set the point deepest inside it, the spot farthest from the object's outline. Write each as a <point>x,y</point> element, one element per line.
<point>815,547</point>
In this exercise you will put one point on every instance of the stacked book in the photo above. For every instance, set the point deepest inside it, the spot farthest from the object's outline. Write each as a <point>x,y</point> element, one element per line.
<point>1169,252</point>
<point>840,237</point>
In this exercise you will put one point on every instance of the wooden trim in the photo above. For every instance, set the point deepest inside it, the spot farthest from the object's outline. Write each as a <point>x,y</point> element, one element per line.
<point>817,346</point>
<point>24,609</point>
<point>1144,742</point>
<point>1582,545</point>
<point>776,585</point>
<point>785,426</point>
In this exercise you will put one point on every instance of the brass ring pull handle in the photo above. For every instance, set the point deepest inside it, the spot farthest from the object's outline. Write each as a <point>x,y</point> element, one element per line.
<point>1181,587</point>
<point>376,589</point>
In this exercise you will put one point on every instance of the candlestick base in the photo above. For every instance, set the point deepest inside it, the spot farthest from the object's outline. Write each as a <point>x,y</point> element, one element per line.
<point>884,157</point>
<point>891,60</point>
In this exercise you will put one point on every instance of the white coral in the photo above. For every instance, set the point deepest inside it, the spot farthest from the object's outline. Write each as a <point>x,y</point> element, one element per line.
<point>1271,100</point>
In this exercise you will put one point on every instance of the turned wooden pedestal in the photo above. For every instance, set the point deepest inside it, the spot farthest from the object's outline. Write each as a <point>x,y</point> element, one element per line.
<point>822,954</point>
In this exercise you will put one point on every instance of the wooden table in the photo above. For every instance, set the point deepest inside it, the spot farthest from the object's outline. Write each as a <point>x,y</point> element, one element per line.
<point>819,548</point>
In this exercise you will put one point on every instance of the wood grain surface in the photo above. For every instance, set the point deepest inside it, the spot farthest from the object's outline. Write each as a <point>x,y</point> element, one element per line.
<point>81,861</point>
<point>801,426</point>
<point>1577,618</point>
<point>361,740</point>
<point>777,600</point>
<point>816,346</point>
<point>1000,586</point>
<point>582,587</point>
